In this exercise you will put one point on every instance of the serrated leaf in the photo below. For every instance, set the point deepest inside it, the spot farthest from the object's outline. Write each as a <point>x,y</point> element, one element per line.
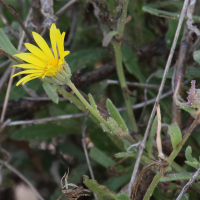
<point>102,191</point>
<point>92,102</point>
<point>196,56</point>
<point>175,134</point>
<point>51,92</point>
<point>115,115</point>
<point>100,157</point>
<point>6,45</point>
<point>39,132</point>
<point>108,37</point>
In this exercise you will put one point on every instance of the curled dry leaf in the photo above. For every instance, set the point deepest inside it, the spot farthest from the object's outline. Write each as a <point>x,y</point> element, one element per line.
<point>73,193</point>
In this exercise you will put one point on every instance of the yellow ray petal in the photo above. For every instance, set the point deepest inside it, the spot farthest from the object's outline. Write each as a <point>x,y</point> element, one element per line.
<point>62,43</point>
<point>28,66</point>
<point>42,44</point>
<point>30,58</point>
<point>59,42</point>
<point>36,51</point>
<point>53,39</point>
<point>28,72</point>
<point>28,77</point>
<point>66,53</point>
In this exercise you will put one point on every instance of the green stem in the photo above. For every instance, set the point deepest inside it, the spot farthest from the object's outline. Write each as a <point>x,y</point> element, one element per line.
<point>123,84</point>
<point>122,21</point>
<point>120,71</point>
<point>88,106</point>
<point>170,160</point>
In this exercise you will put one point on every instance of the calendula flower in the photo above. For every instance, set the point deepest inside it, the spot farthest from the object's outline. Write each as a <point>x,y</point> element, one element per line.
<point>41,62</point>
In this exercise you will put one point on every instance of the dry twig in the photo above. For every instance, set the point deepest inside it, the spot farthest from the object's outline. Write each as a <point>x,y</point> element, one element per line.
<point>22,177</point>
<point>185,188</point>
<point>85,150</point>
<point>16,14</point>
<point>74,193</point>
<point>65,7</point>
<point>142,145</point>
<point>158,137</point>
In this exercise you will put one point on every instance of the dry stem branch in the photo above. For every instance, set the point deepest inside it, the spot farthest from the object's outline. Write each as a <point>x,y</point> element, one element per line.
<point>67,5</point>
<point>142,145</point>
<point>16,14</point>
<point>85,149</point>
<point>22,177</point>
<point>185,188</point>
<point>10,56</point>
<point>158,137</point>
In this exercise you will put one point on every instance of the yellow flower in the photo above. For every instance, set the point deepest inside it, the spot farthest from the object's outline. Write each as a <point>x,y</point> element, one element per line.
<point>41,61</point>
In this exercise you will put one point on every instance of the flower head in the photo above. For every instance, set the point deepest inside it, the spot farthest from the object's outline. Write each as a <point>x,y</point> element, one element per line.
<point>41,62</point>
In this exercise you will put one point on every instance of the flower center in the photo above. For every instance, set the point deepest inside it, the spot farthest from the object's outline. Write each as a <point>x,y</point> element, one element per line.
<point>53,62</point>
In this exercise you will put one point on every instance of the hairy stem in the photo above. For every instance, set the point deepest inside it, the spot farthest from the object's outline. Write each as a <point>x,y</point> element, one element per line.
<point>88,106</point>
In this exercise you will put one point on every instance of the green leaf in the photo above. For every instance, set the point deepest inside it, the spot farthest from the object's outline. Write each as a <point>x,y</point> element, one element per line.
<point>115,115</point>
<point>175,134</point>
<point>123,196</point>
<point>188,109</point>
<point>92,102</point>
<point>196,56</point>
<point>104,127</point>
<point>115,183</point>
<point>72,150</point>
<point>185,197</point>
<point>144,159</point>
<point>86,56</point>
<point>39,132</point>
<point>113,125</point>
<point>191,72</point>
<point>169,36</point>
<point>131,62</point>
<point>100,157</point>
<point>188,154</point>
<point>75,176</point>
<point>178,176</point>
<point>151,137</point>
<point>102,191</point>
<point>18,92</point>
<point>6,45</point>
<point>193,164</point>
<point>190,160</point>
<point>108,37</point>
<point>51,92</point>
<point>122,134</point>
